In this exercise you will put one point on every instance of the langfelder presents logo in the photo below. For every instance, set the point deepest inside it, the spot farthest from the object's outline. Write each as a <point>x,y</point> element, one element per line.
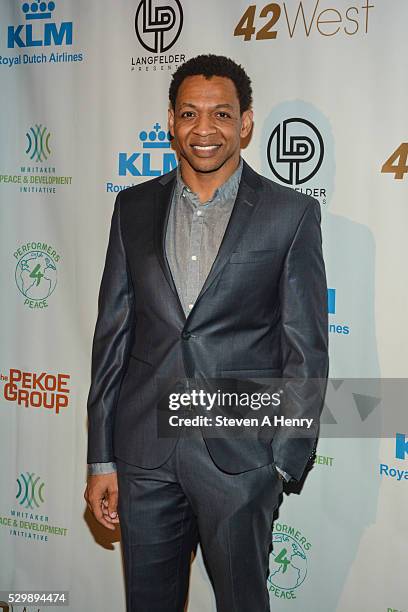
<point>295,151</point>
<point>40,391</point>
<point>158,25</point>
<point>303,19</point>
<point>298,149</point>
<point>288,561</point>
<point>39,28</point>
<point>27,519</point>
<point>154,157</point>
<point>335,327</point>
<point>36,273</point>
<point>398,472</point>
<point>36,174</point>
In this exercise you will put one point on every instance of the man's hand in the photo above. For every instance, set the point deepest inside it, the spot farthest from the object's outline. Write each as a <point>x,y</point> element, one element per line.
<point>101,495</point>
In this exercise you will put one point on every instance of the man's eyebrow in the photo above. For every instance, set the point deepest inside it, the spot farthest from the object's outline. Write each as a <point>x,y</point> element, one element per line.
<point>191,105</point>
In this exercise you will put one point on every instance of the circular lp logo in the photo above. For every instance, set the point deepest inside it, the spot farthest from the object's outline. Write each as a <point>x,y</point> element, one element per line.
<point>295,151</point>
<point>36,275</point>
<point>288,563</point>
<point>158,24</point>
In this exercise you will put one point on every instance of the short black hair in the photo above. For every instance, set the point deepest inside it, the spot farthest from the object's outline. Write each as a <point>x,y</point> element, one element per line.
<point>214,65</point>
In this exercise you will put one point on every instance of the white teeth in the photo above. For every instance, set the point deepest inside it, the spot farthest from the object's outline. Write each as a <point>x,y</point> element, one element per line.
<point>206,148</point>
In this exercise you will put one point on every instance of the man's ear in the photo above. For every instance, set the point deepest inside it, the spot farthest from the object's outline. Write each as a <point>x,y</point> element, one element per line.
<point>170,118</point>
<point>247,120</point>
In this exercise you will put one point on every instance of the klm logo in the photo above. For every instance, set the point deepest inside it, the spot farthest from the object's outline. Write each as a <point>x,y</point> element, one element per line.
<point>331,301</point>
<point>38,31</point>
<point>401,446</point>
<point>154,159</point>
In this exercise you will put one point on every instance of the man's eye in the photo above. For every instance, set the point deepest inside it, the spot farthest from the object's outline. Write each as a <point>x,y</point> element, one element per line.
<point>187,114</point>
<point>223,115</point>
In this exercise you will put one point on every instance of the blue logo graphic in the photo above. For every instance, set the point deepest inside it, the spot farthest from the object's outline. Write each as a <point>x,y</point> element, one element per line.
<point>331,301</point>
<point>401,446</point>
<point>38,10</point>
<point>143,163</point>
<point>45,34</point>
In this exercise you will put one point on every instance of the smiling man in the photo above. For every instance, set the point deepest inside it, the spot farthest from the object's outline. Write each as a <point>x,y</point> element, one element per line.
<point>211,271</point>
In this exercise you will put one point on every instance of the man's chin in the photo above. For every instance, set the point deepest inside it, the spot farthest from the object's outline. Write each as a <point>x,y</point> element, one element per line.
<point>206,166</point>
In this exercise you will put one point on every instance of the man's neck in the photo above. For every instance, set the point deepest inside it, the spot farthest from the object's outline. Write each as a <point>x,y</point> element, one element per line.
<point>205,184</point>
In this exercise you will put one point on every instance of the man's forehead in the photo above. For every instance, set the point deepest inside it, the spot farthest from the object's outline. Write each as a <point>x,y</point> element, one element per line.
<point>197,89</point>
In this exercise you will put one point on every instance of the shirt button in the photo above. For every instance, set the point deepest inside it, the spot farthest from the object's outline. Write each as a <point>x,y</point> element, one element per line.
<point>199,213</point>
<point>194,257</point>
<point>190,306</point>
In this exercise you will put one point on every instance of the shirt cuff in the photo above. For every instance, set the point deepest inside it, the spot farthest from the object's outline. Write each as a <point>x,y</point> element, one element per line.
<point>101,468</point>
<point>284,474</point>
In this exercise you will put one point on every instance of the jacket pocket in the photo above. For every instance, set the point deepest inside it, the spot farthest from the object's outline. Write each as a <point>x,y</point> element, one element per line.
<point>253,256</point>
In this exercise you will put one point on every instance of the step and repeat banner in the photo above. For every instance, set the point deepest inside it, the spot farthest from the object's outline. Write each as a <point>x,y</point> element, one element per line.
<point>84,101</point>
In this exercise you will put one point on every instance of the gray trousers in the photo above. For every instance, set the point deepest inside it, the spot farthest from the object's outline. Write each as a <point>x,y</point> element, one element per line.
<point>164,512</point>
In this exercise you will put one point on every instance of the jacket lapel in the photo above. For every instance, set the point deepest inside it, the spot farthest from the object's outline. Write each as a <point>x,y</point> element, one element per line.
<point>245,204</point>
<point>162,210</point>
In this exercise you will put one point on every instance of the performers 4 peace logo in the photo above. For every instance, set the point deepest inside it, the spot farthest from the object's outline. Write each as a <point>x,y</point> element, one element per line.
<point>158,24</point>
<point>36,273</point>
<point>295,151</point>
<point>288,561</point>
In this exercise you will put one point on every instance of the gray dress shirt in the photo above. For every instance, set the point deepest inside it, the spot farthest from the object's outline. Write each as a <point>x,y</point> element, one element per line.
<point>193,237</point>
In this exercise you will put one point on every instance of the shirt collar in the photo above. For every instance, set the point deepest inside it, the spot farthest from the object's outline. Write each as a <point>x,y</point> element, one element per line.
<point>223,193</point>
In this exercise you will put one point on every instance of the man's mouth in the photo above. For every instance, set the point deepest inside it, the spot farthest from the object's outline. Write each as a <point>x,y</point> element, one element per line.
<point>205,147</point>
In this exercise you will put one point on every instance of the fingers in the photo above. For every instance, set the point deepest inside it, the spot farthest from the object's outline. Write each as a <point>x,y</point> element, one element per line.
<point>101,496</point>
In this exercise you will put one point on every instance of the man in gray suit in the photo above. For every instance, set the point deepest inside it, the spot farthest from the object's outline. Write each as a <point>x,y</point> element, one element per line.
<point>212,273</point>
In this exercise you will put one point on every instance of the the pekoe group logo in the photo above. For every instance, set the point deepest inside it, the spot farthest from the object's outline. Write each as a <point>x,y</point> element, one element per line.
<point>37,391</point>
<point>35,172</point>
<point>27,518</point>
<point>398,472</point>
<point>153,157</point>
<point>288,564</point>
<point>298,149</point>
<point>158,25</point>
<point>39,28</point>
<point>335,327</point>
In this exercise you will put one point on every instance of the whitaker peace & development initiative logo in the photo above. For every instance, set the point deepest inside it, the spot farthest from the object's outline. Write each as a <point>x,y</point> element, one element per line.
<point>39,28</point>
<point>158,25</point>
<point>27,520</point>
<point>288,561</point>
<point>154,157</point>
<point>34,175</point>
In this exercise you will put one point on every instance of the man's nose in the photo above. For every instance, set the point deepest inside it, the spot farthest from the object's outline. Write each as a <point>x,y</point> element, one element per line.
<point>204,125</point>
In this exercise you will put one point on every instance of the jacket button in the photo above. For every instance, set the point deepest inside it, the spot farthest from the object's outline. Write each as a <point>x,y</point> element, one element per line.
<point>185,335</point>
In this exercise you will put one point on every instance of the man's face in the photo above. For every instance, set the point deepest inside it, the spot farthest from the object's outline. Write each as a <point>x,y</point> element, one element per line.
<point>207,124</point>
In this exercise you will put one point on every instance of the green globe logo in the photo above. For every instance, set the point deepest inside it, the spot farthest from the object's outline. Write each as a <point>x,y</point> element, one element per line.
<point>288,564</point>
<point>36,275</point>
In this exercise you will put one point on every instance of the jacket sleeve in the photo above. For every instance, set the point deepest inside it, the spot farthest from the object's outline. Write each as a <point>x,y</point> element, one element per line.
<point>304,343</point>
<point>111,344</point>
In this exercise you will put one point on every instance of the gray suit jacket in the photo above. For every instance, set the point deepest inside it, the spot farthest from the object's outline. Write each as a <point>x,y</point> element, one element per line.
<point>261,313</point>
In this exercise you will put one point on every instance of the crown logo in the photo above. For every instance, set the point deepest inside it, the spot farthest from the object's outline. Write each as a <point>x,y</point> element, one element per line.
<point>156,138</point>
<point>38,9</point>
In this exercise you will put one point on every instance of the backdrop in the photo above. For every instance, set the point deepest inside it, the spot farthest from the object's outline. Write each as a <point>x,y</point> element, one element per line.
<point>84,114</point>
